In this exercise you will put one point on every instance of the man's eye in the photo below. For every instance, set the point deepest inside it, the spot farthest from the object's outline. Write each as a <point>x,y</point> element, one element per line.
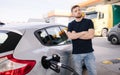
<point>79,10</point>
<point>76,11</point>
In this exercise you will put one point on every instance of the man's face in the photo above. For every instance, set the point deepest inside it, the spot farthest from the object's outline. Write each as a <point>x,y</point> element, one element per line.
<point>76,12</point>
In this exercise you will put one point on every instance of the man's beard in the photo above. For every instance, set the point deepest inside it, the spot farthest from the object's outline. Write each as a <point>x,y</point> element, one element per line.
<point>78,16</point>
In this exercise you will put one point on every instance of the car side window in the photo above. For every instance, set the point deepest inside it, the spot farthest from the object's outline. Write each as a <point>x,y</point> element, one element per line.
<point>54,35</point>
<point>8,41</point>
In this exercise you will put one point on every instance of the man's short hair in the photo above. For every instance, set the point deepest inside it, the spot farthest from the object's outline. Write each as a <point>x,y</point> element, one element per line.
<point>74,7</point>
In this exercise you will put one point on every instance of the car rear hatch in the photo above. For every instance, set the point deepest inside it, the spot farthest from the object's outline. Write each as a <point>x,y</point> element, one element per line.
<point>8,64</point>
<point>8,41</point>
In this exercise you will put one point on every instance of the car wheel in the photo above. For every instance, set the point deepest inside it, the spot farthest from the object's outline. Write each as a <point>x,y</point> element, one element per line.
<point>114,40</point>
<point>104,32</point>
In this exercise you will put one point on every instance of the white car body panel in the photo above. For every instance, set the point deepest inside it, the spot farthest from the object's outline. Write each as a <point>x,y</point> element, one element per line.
<point>30,48</point>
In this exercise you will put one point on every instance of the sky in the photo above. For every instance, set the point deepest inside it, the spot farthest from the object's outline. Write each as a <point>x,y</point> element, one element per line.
<point>22,10</point>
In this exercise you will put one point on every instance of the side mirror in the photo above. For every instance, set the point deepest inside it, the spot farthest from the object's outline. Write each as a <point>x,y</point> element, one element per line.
<point>118,25</point>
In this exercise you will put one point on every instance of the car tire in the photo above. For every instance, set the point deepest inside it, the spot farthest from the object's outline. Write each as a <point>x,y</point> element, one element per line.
<point>114,40</point>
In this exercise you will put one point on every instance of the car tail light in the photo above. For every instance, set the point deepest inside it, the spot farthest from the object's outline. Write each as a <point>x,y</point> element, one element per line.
<point>11,66</point>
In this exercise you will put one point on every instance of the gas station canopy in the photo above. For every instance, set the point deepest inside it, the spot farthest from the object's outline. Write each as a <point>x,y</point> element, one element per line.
<point>95,2</point>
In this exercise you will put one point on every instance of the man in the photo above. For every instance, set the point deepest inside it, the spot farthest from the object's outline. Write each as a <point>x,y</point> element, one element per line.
<point>81,31</point>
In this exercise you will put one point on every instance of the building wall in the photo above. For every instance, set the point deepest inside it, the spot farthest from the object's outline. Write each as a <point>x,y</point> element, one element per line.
<point>60,20</point>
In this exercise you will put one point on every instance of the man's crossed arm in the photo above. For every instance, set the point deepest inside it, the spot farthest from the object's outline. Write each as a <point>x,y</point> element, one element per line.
<point>81,35</point>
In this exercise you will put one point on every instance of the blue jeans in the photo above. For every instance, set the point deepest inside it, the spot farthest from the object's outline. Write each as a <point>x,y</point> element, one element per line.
<point>89,60</point>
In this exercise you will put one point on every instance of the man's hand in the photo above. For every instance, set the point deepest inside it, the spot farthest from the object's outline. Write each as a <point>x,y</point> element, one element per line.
<point>73,32</point>
<point>88,35</point>
<point>81,35</point>
<point>74,35</point>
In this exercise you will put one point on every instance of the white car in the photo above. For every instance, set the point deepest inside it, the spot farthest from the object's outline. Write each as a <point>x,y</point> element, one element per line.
<point>23,47</point>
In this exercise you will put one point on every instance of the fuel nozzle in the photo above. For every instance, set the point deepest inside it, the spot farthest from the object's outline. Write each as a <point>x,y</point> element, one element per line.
<point>51,62</point>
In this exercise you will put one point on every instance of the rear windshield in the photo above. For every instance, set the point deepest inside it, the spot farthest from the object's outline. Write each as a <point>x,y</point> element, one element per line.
<point>91,15</point>
<point>8,40</point>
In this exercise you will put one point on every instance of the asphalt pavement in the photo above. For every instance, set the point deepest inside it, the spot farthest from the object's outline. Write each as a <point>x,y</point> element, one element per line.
<point>107,56</point>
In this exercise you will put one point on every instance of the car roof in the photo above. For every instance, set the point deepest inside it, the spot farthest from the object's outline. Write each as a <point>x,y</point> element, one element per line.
<point>24,26</point>
<point>12,30</point>
<point>28,25</point>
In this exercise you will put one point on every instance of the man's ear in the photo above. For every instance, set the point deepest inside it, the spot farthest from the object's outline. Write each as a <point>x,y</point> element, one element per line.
<point>72,14</point>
